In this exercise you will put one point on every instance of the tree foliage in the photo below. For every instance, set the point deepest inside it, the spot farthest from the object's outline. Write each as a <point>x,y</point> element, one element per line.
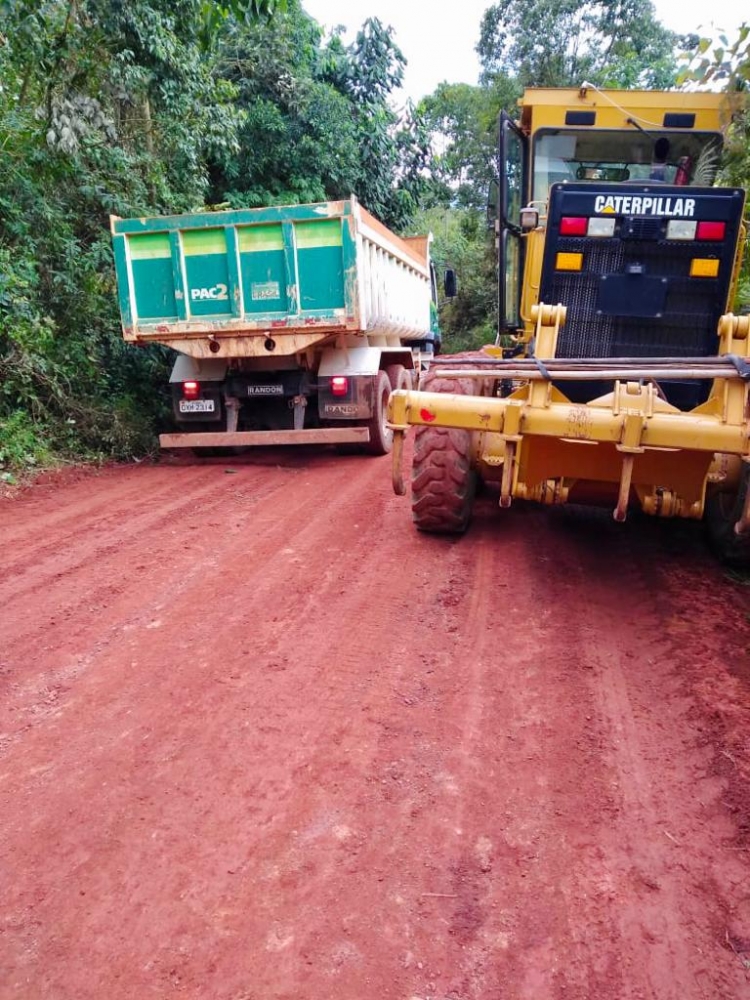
<point>317,119</point>
<point>720,60</point>
<point>462,121</point>
<point>726,61</point>
<point>553,43</point>
<point>462,242</point>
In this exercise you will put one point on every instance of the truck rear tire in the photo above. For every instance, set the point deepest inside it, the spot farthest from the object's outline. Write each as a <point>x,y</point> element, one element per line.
<point>723,510</point>
<point>381,436</point>
<point>443,482</point>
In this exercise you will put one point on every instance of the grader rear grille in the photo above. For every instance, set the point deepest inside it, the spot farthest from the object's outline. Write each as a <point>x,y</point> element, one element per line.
<point>634,295</point>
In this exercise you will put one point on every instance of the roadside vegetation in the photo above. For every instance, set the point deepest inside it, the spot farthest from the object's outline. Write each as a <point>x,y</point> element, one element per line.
<point>164,106</point>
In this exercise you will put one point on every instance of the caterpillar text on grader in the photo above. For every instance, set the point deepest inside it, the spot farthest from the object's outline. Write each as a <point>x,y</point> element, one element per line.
<point>619,375</point>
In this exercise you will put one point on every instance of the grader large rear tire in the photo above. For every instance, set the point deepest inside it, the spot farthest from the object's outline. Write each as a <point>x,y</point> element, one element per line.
<point>723,510</point>
<point>443,481</point>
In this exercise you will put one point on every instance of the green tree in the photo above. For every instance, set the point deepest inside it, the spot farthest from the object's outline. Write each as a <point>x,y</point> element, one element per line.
<point>462,124</point>
<point>297,141</point>
<point>317,119</point>
<point>393,149</point>
<point>551,43</point>
<point>104,108</point>
<point>461,241</point>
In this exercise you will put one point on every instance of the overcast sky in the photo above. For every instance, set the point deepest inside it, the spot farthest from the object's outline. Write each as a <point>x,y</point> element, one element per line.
<point>438,40</point>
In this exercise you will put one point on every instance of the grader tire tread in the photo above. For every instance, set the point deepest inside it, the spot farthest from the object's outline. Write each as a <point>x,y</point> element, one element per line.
<point>443,481</point>
<point>722,513</point>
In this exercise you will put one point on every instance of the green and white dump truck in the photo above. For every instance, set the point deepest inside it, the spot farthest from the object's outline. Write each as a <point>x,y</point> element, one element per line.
<point>292,324</point>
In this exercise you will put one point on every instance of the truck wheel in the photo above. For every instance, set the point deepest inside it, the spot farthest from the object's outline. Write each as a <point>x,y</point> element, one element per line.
<point>723,510</point>
<point>381,436</point>
<point>399,377</point>
<point>443,482</point>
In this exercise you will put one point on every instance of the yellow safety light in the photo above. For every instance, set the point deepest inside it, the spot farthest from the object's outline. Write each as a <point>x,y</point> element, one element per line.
<point>704,267</point>
<point>569,262</point>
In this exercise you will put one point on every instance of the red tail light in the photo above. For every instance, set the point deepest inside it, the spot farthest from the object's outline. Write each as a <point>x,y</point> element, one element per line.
<point>191,390</point>
<point>573,225</point>
<point>711,231</point>
<point>339,385</point>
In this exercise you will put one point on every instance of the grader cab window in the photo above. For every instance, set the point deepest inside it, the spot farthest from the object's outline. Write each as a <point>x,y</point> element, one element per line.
<point>562,156</point>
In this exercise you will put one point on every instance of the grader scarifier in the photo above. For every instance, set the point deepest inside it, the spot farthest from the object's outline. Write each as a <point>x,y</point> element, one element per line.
<point>619,376</point>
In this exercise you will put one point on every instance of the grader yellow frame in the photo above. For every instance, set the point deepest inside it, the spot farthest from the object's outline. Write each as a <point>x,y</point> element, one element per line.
<point>510,420</point>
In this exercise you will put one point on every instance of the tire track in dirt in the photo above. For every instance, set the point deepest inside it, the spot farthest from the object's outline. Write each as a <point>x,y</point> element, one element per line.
<point>659,834</point>
<point>69,553</point>
<point>189,535</point>
<point>90,499</point>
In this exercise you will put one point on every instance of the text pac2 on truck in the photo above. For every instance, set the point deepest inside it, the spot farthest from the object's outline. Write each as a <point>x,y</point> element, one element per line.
<point>292,324</point>
<point>620,376</point>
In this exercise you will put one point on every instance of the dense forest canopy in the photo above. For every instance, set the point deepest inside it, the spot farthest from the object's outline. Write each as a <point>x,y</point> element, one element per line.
<point>156,106</point>
<point>554,43</point>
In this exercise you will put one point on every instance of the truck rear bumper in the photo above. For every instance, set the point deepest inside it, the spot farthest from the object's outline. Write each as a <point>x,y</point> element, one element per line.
<point>227,439</point>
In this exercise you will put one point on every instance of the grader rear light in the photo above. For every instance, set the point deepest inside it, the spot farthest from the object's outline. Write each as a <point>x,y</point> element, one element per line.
<point>572,225</point>
<point>681,229</point>
<point>704,267</point>
<point>711,230</point>
<point>339,385</point>
<point>601,227</point>
<point>569,261</point>
<point>191,390</point>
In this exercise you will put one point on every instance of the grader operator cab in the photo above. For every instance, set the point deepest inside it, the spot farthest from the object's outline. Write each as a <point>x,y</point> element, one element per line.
<point>619,376</point>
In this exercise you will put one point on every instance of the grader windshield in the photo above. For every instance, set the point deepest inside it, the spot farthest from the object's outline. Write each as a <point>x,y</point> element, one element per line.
<point>566,155</point>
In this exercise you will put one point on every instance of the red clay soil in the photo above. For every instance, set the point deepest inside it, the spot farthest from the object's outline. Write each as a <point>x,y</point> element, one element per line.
<point>260,739</point>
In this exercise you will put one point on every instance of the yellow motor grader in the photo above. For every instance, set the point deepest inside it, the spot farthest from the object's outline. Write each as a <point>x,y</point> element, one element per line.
<point>619,375</point>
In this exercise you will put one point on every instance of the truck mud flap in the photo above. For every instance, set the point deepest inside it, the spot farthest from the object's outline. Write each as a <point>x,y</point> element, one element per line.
<point>226,439</point>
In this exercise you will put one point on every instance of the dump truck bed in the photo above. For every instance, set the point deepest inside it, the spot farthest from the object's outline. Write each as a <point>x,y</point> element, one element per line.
<point>274,280</point>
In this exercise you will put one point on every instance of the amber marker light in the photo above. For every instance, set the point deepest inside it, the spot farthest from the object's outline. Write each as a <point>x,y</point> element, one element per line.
<point>704,267</point>
<point>569,261</point>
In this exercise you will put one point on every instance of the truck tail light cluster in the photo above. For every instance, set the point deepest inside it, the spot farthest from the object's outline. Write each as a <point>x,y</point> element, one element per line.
<point>191,390</point>
<point>339,385</point>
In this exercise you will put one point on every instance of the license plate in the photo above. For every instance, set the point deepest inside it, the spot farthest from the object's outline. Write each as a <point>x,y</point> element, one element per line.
<point>196,406</point>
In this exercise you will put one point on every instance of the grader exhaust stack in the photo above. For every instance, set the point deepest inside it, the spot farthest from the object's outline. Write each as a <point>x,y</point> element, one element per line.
<point>619,375</point>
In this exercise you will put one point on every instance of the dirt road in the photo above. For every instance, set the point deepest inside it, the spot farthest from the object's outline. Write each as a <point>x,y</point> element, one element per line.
<point>259,739</point>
